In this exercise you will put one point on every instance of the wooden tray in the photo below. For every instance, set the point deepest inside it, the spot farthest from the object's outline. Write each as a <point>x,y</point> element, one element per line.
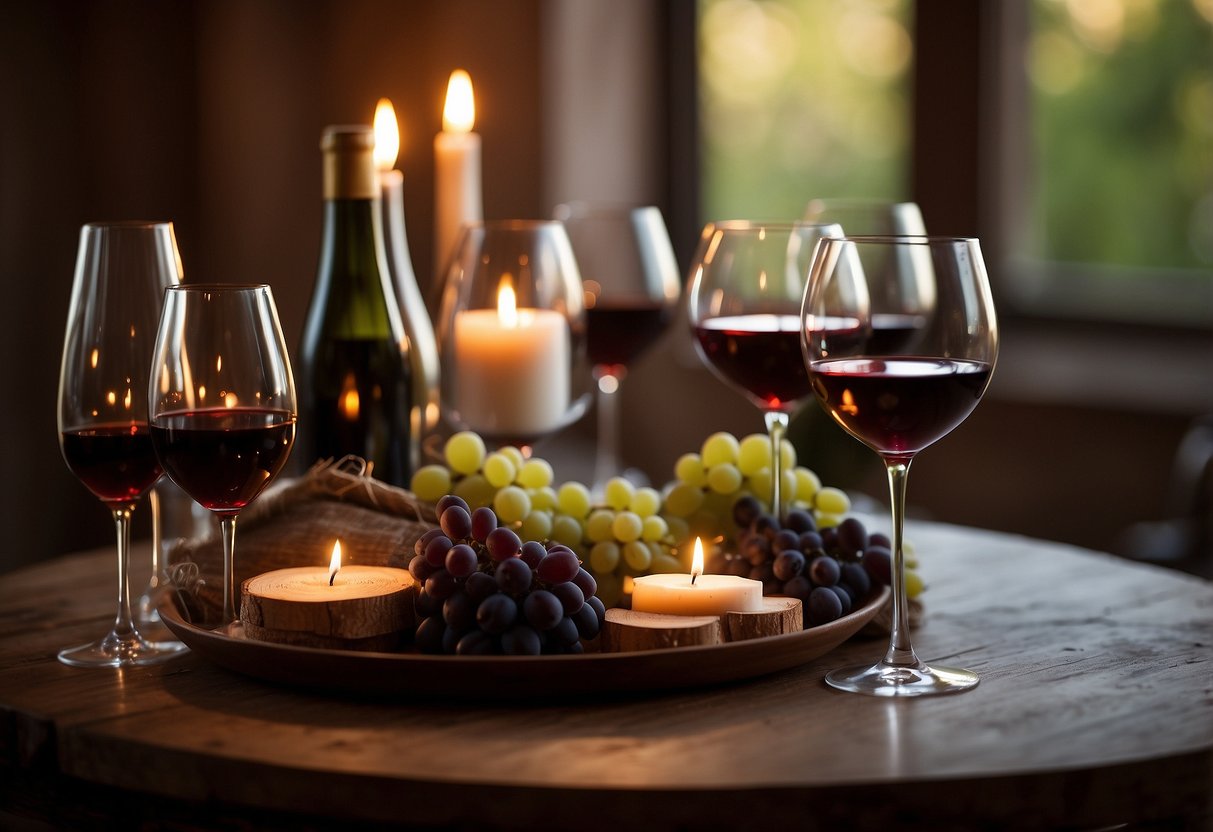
<point>517,677</point>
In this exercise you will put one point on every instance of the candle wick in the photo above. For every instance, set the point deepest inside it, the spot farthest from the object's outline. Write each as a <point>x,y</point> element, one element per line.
<point>694,575</point>
<point>332,577</point>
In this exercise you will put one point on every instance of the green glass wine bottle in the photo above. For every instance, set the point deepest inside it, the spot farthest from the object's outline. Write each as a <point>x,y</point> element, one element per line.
<point>355,375</point>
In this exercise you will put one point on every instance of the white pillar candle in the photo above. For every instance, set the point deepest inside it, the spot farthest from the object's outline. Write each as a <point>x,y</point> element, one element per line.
<point>457,188</point>
<point>511,369</point>
<point>696,593</point>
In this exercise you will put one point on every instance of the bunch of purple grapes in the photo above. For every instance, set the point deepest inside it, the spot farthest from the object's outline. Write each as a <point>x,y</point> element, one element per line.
<point>485,591</point>
<point>830,570</point>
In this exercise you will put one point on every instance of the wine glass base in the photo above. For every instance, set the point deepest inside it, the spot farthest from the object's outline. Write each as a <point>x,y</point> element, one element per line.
<point>121,651</point>
<point>883,679</point>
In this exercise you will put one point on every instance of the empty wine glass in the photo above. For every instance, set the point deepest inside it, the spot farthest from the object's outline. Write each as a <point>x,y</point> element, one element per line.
<point>222,402</point>
<point>122,270</point>
<point>747,283</point>
<point>511,332</point>
<point>631,283</point>
<point>898,397</point>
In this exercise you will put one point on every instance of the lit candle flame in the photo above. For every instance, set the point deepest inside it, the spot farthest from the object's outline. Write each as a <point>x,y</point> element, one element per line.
<point>507,305</point>
<point>387,135</point>
<point>459,113</point>
<point>335,562</point>
<point>697,561</point>
<point>350,401</point>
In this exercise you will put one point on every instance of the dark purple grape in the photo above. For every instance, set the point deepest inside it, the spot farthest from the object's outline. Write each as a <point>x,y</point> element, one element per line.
<point>810,542</point>
<point>420,568</point>
<point>429,634</point>
<point>483,523</point>
<point>496,613</point>
<point>756,549</point>
<point>785,539</point>
<point>844,597</point>
<point>425,604</point>
<point>852,537</point>
<point>436,549</point>
<point>513,576</point>
<point>476,643</point>
<point>461,560</point>
<point>558,566</point>
<point>456,522</point>
<point>746,511</point>
<point>440,585</point>
<point>766,525</point>
<point>599,607</point>
<point>800,521</point>
<point>502,543</point>
<point>564,633</point>
<point>587,621</point>
<point>480,585</point>
<point>450,500</point>
<point>880,539</point>
<point>798,587</point>
<point>571,597</point>
<point>762,572</point>
<point>521,640</point>
<point>423,541</point>
<point>878,563</point>
<point>829,538</point>
<point>772,587</point>
<point>543,610</point>
<point>450,640</point>
<point>856,577</point>
<point>533,552</point>
<point>788,565</point>
<point>824,571</point>
<point>737,566</point>
<point>459,612</point>
<point>585,582</point>
<point>823,606</point>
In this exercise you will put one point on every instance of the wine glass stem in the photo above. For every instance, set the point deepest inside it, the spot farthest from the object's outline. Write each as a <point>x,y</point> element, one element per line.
<point>123,626</point>
<point>900,652</point>
<point>153,498</point>
<point>227,525</point>
<point>777,426</point>
<point>606,456</point>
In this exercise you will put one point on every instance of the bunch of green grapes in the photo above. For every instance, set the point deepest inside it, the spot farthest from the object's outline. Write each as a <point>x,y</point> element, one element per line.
<point>725,470</point>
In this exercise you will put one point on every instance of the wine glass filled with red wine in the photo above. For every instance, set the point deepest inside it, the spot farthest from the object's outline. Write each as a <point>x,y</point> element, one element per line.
<point>222,402</point>
<point>899,397</point>
<point>122,270</point>
<point>747,282</point>
<point>631,283</point>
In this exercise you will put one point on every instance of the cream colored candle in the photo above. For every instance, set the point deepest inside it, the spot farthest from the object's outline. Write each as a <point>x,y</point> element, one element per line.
<point>457,188</point>
<point>696,594</point>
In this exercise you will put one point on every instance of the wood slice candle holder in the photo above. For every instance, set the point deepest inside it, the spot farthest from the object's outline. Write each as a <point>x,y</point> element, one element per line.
<point>626,631</point>
<point>366,608</point>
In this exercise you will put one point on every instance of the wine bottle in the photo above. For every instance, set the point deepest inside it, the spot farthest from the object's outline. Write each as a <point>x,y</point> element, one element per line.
<point>356,376</point>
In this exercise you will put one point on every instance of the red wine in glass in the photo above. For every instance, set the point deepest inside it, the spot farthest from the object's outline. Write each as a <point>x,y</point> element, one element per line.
<point>894,333</point>
<point>760,354</point>
<point>114,461</point>
<point>224,457</point>
<point>618,331</point>
<point>899,405</point>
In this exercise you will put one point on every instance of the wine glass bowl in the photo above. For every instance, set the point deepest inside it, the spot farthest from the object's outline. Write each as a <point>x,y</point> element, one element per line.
<point>899,395</point>
<point>511,332</point>
<point>122,270</point>
<point>222,402</point>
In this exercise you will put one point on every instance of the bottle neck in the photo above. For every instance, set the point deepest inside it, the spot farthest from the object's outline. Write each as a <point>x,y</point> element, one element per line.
<point>352,290</point>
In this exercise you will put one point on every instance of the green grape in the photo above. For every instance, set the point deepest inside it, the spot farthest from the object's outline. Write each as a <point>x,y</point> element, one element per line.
<point>724,478</point>
<point>832,500</point>
<point>689,469</point>
<point>627,527</point>
<point>789,484</point>
<point>719,447</point>
<point>646,502</point>
<point>654,528</point>
<point>657,549</point>
<point>788,456</point>
<point>535,473</point>
<point>807,485</point>
<point>543,499</point>
<point>514,455</point>
<point>705,523</point>
<point>909,554</point>
<point>825,520</point>
<point>573,499</point>
<point>431,482</point>
<point>536,526</point>
<point>566,530</point>
<point>754,454</point>
<point>598,527</point>
<point>610,588</point>
<point>604,557</point>
<point>511,504</point>
<point>683,500</point>
<point>760,486</point>
<point>637,556</point>
<point>679,530</point>
<point>475,489</point>
<point>618,493</point>
<point>465,452</point>
<point>914,584</point>
<point>499,470</point>
<point>665,564</point>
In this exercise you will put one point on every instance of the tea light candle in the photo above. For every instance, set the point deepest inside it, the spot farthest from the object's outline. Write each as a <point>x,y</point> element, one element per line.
<point>457,191</point>
<point>696,593</point>
<point>511,368</point>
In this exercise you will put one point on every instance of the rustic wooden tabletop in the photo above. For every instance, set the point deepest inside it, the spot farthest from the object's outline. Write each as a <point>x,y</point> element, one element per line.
<point>1095,709</point>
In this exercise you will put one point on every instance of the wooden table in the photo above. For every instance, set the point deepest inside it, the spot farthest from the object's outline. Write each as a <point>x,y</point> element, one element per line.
<point>1095,708</point>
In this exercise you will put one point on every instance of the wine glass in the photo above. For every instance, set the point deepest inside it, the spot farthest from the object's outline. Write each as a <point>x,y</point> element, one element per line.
<point>511,332</point>
<point>222,402</point>
<point>122,270</point>
<point>747,283</point>
<point>897,398</point>
<point>631,283</point>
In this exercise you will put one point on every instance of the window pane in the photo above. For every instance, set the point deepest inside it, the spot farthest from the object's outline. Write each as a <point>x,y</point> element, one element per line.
<point>802,99</point>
